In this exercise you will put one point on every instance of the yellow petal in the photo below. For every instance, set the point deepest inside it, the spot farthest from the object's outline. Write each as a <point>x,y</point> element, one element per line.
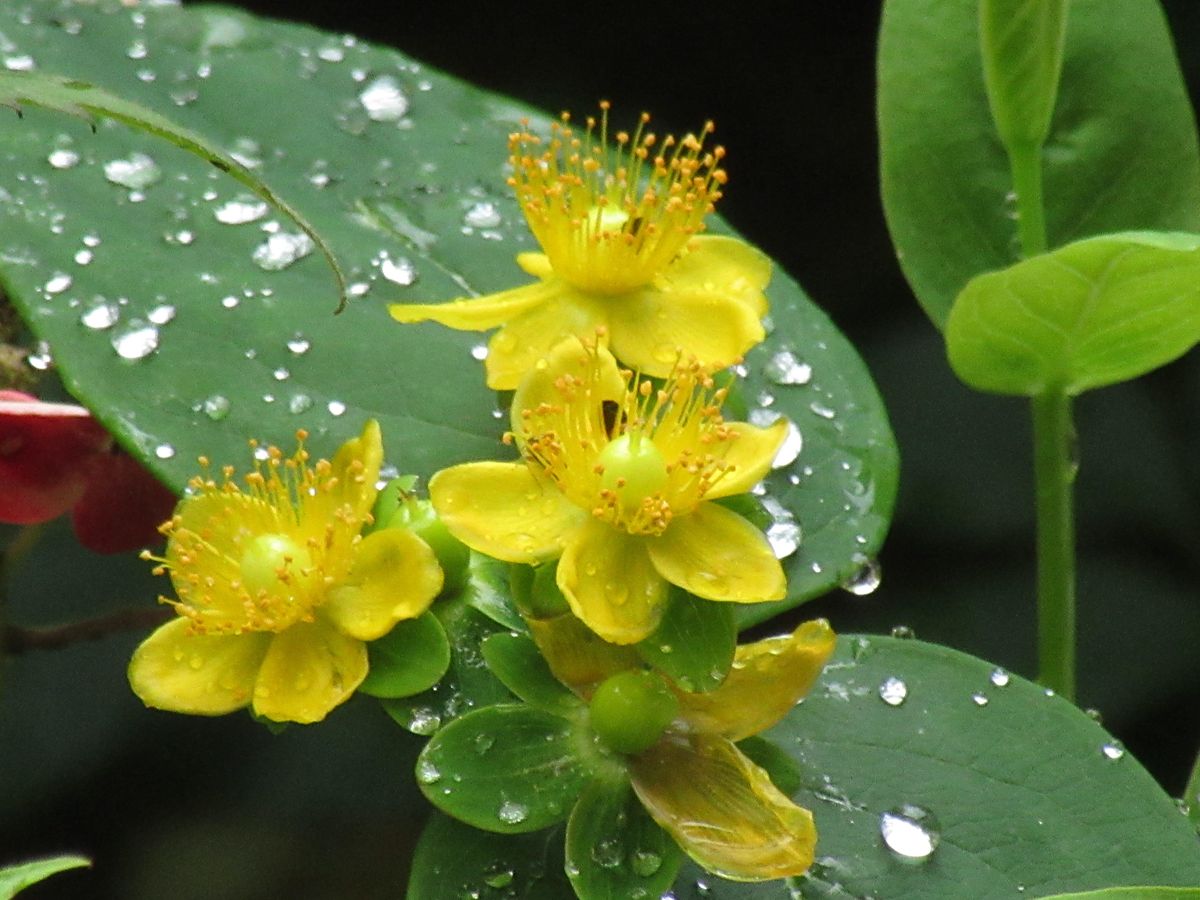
<point>536,264</point>
<point>767,679</point>
<point>502,510</point>
<point>515,349</point>
<point>479,313</point>
<point>653,328</point>
<point>571,357</point>
<point>309,669</point>
<point>716,554</point>
<point>722,809</point>
<point>346,500</point>
<point>202,674</point>
<point>576,656</point>
<point>607,578</point>
<point>724,264</point>
<point>750,454</point>
<point>395,575</point>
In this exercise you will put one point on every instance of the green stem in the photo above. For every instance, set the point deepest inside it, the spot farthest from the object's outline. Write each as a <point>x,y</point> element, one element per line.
<point>1025,162</point>
<point>1054,473</point>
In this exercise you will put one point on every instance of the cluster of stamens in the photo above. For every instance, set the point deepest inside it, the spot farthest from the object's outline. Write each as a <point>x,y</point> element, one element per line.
<point>611,218</point>
<point>253,560</point>
<point>637,460</point>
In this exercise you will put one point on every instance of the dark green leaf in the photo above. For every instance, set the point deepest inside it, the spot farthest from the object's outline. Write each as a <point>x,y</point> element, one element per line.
<point>1022,43</point>
<point>15,878</point>
<point>381,192</point>
<point>488,591</point>
<point>694,644</point>
<point>516,661</point>
<point>410,658</point>
<point>467,684</point>
<point>1093,313</point>
<point>1121,153</point>
<point>781,767</point>
<point>456,860</point>
<point>614,849</point>
<point>510,769</point>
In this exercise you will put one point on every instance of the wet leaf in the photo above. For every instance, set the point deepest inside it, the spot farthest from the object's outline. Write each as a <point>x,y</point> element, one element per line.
<point>694,644</point>
<point>411,658</point>
<point>17,877</point>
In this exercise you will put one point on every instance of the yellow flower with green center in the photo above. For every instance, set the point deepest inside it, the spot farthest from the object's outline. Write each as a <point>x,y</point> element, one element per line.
<point>619,230</point>
<point>619,480</point>
<point>277,588</point>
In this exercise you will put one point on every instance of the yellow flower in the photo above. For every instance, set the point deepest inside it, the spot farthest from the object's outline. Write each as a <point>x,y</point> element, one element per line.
<point>717,804</point>
<point>618,227</point>
<point>277,589</point>
<point>619,480</point>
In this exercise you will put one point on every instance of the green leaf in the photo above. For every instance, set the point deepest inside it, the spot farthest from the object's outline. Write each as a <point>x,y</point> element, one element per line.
<point>456,860</point>
<point>1121,153</point>
<point>614,849</point>
<point>694,644</point>
<point>784,773</point>
<point>509,769</point>
<point>1132,893</point>
<point>381,193</point>
<point>17,877</point>
<point>488,591</point>
<point>1093,313</point>
<point>410,658</point>
<point>79,98</point>
<point>1022,45</point>
<point>467,683</point>
<point>1031,796</point>
<point>517,662</point>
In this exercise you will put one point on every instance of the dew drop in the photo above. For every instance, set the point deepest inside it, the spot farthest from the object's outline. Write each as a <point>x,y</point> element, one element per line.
<point>20,63</point>
<point>299,345</point>
<point>498,876</point>
<point>903,632</point>
<point>608,853</point>
<point>240,210</point>
<point>102,315</point>
<point>399,271</point>
<point>137,172</point>
<point>479,352</point>
<point>281,374</point>
<point>336,408</point>
<point>785,368</point>
<point>58,283</point>
<point>40,359</point>
<point>63,158</point>
<point>427,772</point>
<point>893,691</point>
<point>793,443</point>
<point>161,314</point>
<point>84,257</point>
<point>282,249</point>
<point>136,341</point>
<point>424,721</point>
<point>300,403</point>
<point>512,813</point>
<point>999,678</point>
<point>1112,750</point>
<point>821,410</point>
<point>164,451</point>
<point>230,302</point>
<point>979,699</point>
<point>384,100</point>
<point>865,581</point>
<point>784,538</point>
<point>645,862</point>
<point>216,407</point>
<point>483,214</point>
<point>910,831</point>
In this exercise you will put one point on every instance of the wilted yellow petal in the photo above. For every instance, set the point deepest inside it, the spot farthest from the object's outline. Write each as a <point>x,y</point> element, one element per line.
<point>750,454</point>
<point>607,578</point>
<point>722,809</point>
<point>715,263</point>
<point>395,576</point>
<point>308,670</point>
<point>654,328</point>
<point>502,510</point>
<point>767,679</point>
<point>576,655</point>
<point>716,554</point>
<point>202,674</point>
<point>528,337</point>
<point>479,313</point>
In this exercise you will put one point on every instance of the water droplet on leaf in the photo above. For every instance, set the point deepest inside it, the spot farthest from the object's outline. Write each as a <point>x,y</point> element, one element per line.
<point>137,172</point>
<point>910,831</point>
<point>893,691</point>
<point>785,368</point>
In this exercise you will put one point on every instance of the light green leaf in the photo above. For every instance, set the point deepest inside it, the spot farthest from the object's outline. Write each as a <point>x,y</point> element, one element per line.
<point>1093,313</point>
<point>1132,893</point>
<point>1121,152</point>
<point>1022,44</point>
<point>510,769</point>
<point>254,352</point>
<point>15,878</point>
<point>614,850</point>
<point>410,658</point>
<point>516,661</point>
<point>694,644</point>
<point>1031,797</point>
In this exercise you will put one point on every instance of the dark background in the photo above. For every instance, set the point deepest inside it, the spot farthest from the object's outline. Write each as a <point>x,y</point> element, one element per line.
<point>791,88</point>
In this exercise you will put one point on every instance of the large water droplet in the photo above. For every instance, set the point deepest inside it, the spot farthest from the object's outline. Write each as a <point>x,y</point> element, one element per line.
<point>399,271</point>
<point>792,444</point>
<point>479,352</point>
<point>785,368</point>
<point>910,831</point>
<point>893,691</point>
<point>784,538</point>
<point>57,283</point>
<point>1112,750</point>
<point>161,314</point>
<point>427,772</point>
<point>136,341</point>
<point>216,407</point>
<point>299,344</point>
<point>424,721</point>
<point>608,853</point>
<point>865,581</point>
<point>384,100</point>
<point>40,359</point>
<point>336,408</point>
<point>511,813</point>
<point>20,63</point>
<point>101,315</point>
<point>282,249</point>
<point>137,172</point>
<point>645,862</point>
<point>483,214</point>
<point>240,210</point>
<point>299,403</point>
<point>62,158</point>
<point>999,678</point>
<point>164,451</point>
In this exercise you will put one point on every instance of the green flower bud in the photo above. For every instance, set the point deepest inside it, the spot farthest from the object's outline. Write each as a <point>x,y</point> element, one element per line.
<point>630,711</point>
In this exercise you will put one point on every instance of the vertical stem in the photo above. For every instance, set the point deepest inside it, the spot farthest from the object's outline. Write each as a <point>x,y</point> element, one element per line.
<point>1025,163</point>
<point>1054,474</point>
